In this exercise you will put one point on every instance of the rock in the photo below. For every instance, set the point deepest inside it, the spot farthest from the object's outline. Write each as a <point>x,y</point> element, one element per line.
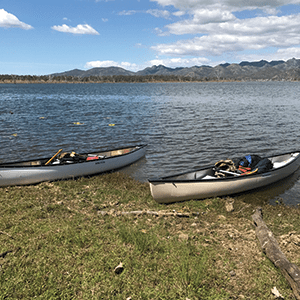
<point>229,206</point>
<point>276,293</point>
<point>119,268</point>
<point>183,236</point>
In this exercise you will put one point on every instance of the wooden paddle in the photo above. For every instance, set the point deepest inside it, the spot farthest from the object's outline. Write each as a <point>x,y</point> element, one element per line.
<point>49,161</point>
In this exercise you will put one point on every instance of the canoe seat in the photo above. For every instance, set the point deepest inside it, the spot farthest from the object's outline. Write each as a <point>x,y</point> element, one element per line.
<point>209,177</point>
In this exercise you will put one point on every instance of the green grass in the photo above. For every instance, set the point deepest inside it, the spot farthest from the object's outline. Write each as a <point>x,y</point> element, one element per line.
<point>60,246</point>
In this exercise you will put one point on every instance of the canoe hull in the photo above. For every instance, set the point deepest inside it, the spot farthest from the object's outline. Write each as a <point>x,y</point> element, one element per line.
<point>166,190</point>
<point>34,174</point>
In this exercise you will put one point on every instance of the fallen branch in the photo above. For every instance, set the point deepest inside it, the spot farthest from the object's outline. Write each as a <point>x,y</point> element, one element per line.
<point>147,212</point>
<point>271,248</point>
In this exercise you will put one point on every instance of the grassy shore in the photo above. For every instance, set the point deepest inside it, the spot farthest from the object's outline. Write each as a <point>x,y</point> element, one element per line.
<point>63,240</point>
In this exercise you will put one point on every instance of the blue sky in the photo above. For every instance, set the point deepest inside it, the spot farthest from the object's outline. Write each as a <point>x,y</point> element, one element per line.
<point>41,37</point>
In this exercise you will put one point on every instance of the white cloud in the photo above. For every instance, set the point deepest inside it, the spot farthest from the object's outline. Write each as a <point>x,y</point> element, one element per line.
<point>9,20</point>
<point>254,26</point>
<point>158,31</point>
<point>154,12</point>
<point>215,36</point>
<point>79,29</point>
<point>200,18</point>
<point>180,62</point>
<point>280,54</point>
<point>159,13</point>
<point>205,16</point>
<point>127,12</point>
<point>110,63</point>
<point>216,30</point>
<point>288,53</point>
<point>231,5</point>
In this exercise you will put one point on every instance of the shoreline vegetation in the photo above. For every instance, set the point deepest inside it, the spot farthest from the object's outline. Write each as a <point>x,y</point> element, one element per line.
<point>48,79</point>
<point>105,237</point>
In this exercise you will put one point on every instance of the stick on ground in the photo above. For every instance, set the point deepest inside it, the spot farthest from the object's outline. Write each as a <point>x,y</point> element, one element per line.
<point>271,248</point>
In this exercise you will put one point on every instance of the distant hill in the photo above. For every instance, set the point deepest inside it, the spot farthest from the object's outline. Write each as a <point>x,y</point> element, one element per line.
<point>261,70</point>
<point>109,71</point>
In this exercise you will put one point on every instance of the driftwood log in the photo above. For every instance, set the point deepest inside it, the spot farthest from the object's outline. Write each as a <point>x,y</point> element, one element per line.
<point>147,212</point>
<point>271,248</point>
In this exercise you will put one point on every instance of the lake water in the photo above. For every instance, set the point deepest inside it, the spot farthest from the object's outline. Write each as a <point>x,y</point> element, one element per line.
<point>185,125</point>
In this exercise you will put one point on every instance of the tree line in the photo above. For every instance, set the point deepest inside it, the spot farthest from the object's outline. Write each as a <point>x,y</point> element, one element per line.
<point>99,79</point>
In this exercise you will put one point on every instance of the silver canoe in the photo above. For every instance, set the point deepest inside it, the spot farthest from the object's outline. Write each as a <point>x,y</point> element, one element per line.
<point>202,183</point>
<point>34,171</point>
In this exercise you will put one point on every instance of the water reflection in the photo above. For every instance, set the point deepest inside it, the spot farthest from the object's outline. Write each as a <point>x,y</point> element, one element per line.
<point>286,191</point>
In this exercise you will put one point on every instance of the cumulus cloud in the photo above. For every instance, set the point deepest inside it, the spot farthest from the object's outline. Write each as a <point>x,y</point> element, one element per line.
<point>238,35</point>
<point>231,5</point>
<point>217,30</point>
<point>280,54</point>
<point>9,20</point>
<point>79,29</point>
<point>254,26</point>
<point>200,18</point>
<point>285,54</point>
<point>154,12</point>
<point>159,13</point>
<point>127,12</point>
<point>110,63</point>
<point>177,62</point>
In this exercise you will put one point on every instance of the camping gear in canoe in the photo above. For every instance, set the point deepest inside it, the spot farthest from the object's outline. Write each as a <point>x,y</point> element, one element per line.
<point>68,165</point>
<point>224,178</point>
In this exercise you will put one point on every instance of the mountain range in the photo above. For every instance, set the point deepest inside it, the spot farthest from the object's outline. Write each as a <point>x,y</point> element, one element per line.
<point>260,70</point>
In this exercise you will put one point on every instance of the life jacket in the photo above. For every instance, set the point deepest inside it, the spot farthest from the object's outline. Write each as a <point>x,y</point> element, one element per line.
<point>249,161</point>
<point>253,163</point>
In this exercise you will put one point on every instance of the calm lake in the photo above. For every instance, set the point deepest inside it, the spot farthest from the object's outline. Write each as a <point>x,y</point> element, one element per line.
<point>185,125</point>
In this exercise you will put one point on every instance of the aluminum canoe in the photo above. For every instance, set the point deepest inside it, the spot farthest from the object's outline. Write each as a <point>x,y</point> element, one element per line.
<point>202,183</point>
<point>35,171</point>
